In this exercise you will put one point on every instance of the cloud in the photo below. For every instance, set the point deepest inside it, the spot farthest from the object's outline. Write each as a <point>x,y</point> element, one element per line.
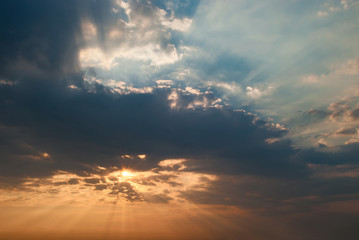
<point>335,124</point>
<point>31,46</point>
<point>92,180</point>
<point>80,128</point>
<point>143,32</point>
<point>355,114</point>
<point>305,73</point>
<point>331,7</point>
<point>346,131</point>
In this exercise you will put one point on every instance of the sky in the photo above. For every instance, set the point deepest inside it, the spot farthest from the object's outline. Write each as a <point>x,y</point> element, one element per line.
<point>179,119</point>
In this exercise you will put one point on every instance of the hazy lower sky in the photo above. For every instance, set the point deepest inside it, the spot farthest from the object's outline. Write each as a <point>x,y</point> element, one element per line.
<point>179,119</point>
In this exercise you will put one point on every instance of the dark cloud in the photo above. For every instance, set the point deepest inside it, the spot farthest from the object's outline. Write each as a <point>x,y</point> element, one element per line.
<point>296,204</point>
<point>60,183</point>
<point>113,179</point>
<point>345,154</point>
<point>77,129</point>
<point>126,190</point>
<point>100,187</point>
<point>43,38</point>
<point>73,181</point>
<point>38,37</point>
<point>275,196</point>
<point>355,114</point>
<point>346,131</point>
<point>46,127</point>
<point>92,180</point>
<point>162,178</point>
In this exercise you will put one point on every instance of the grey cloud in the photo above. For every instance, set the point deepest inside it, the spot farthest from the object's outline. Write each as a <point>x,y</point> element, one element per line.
<point>80,129</point>
<point>60,183</point>
<point>317,113</point>
<point>113,179</point>
<point>157,198</point>
<point>345,154</point>
<point>355,114</point>
<point>73,181</point>
<point>43,38</point>
<point>92,180</point>
<point>163,178</point>
<point>271,194</point>
<point>346,131</point>
<point>38,37</point>
<point>127,191</point>
<point>100,187</point>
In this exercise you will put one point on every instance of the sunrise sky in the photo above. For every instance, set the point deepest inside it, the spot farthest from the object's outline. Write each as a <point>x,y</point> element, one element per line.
<point>179,119</point>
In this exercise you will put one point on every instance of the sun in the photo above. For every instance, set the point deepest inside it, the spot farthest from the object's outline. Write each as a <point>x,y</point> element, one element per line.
<point>126,173</point>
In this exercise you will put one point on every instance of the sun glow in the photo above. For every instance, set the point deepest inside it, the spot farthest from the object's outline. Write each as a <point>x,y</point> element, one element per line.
<point>126,173</point>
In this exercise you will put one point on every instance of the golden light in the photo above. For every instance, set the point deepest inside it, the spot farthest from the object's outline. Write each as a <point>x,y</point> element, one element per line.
<point>127,200</point>
<point>126,173</point>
